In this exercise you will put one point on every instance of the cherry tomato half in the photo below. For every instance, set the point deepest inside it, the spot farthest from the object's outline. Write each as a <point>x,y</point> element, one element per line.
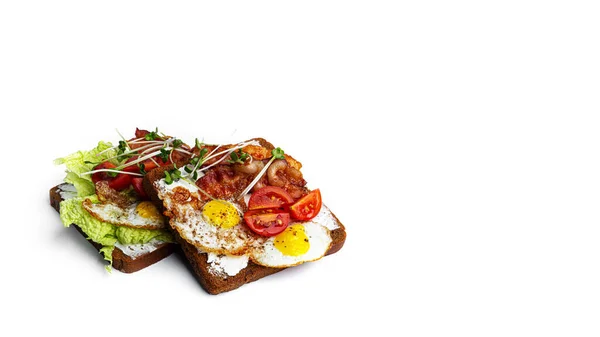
<point>149,164</point>
<point>307,207</point>
<point>269,197</point>
<point>118,182</point>
<point>266,222</point>
<point>138,187</point>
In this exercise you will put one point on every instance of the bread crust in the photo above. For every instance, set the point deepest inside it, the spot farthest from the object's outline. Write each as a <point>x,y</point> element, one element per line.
<point>216,284</point>
<point>121,261</point>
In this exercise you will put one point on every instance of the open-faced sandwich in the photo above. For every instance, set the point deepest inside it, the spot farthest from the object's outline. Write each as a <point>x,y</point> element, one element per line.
<point>103,197</point>
<point>242,212</point>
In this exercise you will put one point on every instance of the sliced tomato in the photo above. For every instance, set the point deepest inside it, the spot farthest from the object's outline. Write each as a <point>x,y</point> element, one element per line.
<point>138,187</point>
<point>307,207</point>
<point>269,197</point>
<point>267,222</point>
<point>149,164</point>
<point>118,182</point>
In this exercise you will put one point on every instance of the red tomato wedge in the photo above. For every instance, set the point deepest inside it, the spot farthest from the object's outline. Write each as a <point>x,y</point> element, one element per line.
<point>267,222</point>
<point>307,207</point>
<point>269,197</point>
<point>138,187</point>
<point>118,182</point>
<point>149,164</point>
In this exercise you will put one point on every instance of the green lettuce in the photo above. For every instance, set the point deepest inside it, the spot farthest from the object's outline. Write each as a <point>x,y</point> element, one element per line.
<point>106,234</point>
<point>84,161</point>
<point>132,236</point>
<point>72,211</point>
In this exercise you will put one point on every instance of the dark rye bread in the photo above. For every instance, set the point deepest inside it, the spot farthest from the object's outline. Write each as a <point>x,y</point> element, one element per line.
<point>121,261</point>
<point>215,284</point>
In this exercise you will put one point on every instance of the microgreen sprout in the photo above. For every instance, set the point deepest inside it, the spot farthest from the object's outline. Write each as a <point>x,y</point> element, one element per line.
<point>276,154</point>
<point>238,157</point>
<point>121,149</point>
<point>172,175</point>
<point>142,168</point>
<point>177,143</point>
<point>164,155</point>
<point>152,135</point>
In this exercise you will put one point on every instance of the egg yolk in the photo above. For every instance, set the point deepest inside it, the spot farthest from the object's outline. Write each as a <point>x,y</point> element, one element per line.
<point>293,241</point>
<point>147,210</point>
<point>221,213</point>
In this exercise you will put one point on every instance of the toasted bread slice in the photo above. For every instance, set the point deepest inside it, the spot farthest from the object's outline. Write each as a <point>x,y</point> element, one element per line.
<point>124,261</point>
<point>214,282</point>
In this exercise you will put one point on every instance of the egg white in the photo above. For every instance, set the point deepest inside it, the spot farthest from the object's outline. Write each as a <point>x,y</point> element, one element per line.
<point>192,226</point>
<point>268,255</point>
<point>118,216</point>
<point>197,230</point>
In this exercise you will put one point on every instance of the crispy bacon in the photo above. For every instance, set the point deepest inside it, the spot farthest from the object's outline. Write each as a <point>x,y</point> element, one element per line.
<point>226,181</point>
<point>223,182</point>
<point>107,194</point>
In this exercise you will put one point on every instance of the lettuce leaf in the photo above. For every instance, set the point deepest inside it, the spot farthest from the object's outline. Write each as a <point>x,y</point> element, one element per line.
<point>130,236</point>
<point>72,211</point>
<point>84,161</point>
<point>83,186</point>
<point>106,234</point>
<point>107,252</point>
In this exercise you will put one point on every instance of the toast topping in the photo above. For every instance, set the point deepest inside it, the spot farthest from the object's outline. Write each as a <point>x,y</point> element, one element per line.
<point>307,241</point>
<point>226,265</point>
<point>141,214</point>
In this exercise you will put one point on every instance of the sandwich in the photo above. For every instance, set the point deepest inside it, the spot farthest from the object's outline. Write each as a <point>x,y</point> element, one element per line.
<point>102,197</point>
<point>239,212</point>
<point>242,212</point>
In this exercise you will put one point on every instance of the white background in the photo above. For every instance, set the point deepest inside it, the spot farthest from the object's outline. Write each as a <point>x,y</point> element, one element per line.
<point>456,140</point>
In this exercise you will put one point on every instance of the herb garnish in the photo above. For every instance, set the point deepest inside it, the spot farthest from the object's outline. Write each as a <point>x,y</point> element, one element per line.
<point>276,154</point>
<point>238,158</point>
<point>152,135</point>
<point>172,175</point>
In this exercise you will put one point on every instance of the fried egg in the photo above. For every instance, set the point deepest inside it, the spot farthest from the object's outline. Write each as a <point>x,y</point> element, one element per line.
<point>141,214</point>
<point>298,243</point>
<point>217,227</point>
<point>213,227</point>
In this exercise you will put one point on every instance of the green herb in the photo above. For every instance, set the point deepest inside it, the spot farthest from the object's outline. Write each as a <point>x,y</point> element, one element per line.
<point>121,149</point>
<point>203,153</point>
<point>152,135</point>
<point>172,175</point>
<point>238,158</point>
<point>164,155</point>
<point>142,168</point>
<point>198,144</point>
<point>112,174</point>
<point>168,178</point>
<point>177,143</point>
<point>122,146</point>
<point>277,153</point>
